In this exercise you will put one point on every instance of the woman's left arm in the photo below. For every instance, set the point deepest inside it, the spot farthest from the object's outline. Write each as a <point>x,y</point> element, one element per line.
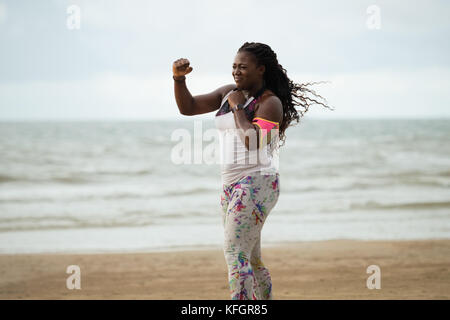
<point>268,116</point>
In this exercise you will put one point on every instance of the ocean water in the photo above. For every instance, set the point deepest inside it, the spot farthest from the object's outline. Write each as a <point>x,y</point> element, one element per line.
<point>115,186</point>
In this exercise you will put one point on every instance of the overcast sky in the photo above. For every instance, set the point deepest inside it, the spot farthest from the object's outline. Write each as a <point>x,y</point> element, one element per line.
<point>118,64</point>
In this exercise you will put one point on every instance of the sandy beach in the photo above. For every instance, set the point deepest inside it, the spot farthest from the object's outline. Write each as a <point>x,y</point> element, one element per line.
<point>306,270</point>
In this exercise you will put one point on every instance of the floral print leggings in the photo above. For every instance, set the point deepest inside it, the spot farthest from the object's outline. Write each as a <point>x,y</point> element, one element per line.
<point>245,207</point>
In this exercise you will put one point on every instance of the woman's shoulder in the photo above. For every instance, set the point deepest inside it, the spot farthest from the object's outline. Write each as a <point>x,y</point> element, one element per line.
<point>266,95</point>
<point>268,91</point>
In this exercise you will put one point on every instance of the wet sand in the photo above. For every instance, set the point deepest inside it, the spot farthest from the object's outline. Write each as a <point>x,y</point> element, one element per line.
<point>333,269</point>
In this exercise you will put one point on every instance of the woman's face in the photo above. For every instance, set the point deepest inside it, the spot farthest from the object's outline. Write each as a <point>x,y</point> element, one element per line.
<point>245,71</point>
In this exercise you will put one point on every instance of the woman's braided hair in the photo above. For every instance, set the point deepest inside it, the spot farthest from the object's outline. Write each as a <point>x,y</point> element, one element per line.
<point>291,94</point>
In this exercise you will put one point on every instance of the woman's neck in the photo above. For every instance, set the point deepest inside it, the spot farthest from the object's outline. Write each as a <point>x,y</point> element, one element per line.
<point>252,91</point>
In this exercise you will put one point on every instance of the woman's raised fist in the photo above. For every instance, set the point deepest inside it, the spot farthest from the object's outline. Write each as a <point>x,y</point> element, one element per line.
<point>181,67</point>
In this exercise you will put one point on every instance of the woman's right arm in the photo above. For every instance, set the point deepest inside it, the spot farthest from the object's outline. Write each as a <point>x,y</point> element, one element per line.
<point>189,105</point>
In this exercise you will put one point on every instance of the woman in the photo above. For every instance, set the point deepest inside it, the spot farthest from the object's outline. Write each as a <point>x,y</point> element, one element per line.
<point>253,114</point>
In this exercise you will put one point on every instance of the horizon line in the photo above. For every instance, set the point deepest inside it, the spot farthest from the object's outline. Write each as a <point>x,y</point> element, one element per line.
<point>190,118</point>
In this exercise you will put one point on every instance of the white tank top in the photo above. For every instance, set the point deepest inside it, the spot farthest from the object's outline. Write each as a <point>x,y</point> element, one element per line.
<point>236,161</point>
